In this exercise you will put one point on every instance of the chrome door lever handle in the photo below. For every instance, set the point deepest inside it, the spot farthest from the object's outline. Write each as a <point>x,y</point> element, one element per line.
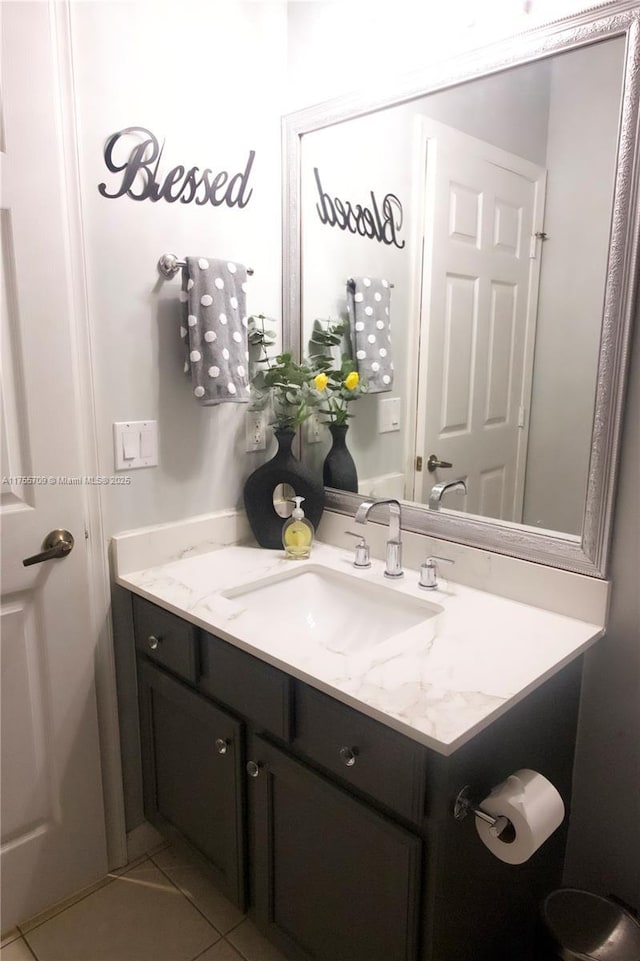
<point>57,543</point>
<point>434,463</point>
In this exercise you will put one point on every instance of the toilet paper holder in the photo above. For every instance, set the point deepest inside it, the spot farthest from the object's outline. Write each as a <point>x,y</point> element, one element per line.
<point>463,805</point>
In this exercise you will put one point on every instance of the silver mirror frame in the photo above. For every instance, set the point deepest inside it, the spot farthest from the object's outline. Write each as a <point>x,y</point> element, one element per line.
<point>587,554</point>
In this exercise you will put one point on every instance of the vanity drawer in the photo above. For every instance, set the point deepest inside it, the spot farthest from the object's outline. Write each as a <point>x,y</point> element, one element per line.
<point>362,752</point>
<point>246,684</point>
<point>166,639</point>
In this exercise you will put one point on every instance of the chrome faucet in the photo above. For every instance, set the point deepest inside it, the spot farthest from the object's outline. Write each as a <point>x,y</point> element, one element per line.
<point>393,566</point>
<point>438,490</point>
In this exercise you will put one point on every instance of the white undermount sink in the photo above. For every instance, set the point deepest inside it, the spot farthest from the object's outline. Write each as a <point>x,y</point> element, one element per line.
<point>343,614</point>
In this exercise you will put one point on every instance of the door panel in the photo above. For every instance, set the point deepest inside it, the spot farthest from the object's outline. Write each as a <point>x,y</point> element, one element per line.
<point>479,302</point>
<point>53,831</point>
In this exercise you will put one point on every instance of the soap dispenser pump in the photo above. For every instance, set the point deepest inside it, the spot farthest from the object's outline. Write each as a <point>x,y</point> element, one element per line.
<point>297,533</point>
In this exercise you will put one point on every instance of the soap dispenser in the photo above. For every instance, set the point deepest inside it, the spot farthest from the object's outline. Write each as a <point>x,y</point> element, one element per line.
<point>297,533</point>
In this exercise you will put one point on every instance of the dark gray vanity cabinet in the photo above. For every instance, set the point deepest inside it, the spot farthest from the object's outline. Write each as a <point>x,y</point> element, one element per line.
<point>332,878</point>
<point>193,777</point>
<point>337,829</point>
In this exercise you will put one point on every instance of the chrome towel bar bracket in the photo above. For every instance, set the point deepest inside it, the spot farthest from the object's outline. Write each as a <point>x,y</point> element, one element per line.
<point>169,265</point>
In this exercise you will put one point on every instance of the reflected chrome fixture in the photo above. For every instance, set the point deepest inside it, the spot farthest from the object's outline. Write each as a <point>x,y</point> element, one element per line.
<point>393,566</point>
<point>429,572</point>
<point>434,463</point>
<point>168,265</point>
<point>57,543</point>
<point>438,490</point>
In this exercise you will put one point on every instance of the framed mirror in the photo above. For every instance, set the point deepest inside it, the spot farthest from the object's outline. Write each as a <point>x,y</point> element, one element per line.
<point>491,205</point>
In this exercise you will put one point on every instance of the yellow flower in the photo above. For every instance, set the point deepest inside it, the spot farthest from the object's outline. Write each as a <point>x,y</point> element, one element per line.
<point>352,380</point>
<point>321,381</point>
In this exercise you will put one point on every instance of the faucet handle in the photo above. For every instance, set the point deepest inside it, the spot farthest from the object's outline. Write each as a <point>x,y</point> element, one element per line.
<point>362,556</point>
<point>429,572</point>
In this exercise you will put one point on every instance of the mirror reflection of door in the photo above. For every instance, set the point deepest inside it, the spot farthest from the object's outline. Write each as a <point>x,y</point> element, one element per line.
<point>562,114</point>
<point>480,267</point>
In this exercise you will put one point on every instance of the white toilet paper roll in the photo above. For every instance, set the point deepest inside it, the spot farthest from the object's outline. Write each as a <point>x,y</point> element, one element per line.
<point>534,808</point>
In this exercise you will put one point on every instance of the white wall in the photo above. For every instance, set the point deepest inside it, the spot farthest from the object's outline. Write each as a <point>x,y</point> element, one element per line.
<point>208,78</point>
<point>581,157</point>
<point>337,46</point>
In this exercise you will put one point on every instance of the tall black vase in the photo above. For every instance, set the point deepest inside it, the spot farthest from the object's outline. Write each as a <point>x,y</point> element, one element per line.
<point>283,468</point>
<point>339,469</point>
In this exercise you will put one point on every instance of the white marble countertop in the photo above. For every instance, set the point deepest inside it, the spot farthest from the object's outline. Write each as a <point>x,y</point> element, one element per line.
<point>439,683</point>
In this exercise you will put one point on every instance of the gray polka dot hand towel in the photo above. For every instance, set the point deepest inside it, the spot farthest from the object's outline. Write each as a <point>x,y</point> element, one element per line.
<point>368,303</point>
<point>215,330</point>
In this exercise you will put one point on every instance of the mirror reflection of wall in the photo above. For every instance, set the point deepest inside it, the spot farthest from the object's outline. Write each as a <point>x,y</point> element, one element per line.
<point>495,362</point>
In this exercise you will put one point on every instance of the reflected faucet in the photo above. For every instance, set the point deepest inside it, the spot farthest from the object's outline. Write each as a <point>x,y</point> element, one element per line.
<point>393,566</point>
<point>438,490</point>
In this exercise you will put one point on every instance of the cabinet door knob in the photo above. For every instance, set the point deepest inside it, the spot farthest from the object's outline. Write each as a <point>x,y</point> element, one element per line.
<point>348,755</point>
<point>253,768</point>
<point>153,641</point>
<point>222,745</point>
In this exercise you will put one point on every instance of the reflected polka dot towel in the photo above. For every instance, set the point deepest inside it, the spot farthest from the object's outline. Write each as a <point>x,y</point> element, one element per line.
<point>368,303</point>
<point>214,330</point>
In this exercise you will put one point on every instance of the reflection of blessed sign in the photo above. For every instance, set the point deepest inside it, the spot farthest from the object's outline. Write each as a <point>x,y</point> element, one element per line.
<point>380,222</point>
<point>141,179</point>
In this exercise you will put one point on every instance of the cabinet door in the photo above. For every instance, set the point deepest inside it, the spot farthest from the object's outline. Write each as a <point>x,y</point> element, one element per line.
<point>332,879</point>
<point>192,773</point>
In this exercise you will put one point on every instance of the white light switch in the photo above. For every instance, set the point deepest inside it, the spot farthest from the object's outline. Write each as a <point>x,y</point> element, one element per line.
<point>130,445</point>
<point>389,415</point>
<point>135,444</point>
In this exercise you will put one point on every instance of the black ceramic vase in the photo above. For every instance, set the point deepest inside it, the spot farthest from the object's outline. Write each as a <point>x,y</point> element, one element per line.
<point>283,468</point>
<point>339,469</point>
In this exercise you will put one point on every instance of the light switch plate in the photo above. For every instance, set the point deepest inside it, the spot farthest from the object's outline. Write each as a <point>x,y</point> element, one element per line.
<point>313,426</point>
<point>389,415</point>
<point>135,444</point>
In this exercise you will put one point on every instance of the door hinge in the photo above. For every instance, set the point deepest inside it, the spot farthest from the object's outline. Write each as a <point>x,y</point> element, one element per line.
<point>418,464</point>
<point>522,415</point>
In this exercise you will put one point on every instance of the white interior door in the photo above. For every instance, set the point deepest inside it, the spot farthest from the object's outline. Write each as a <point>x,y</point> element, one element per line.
<point>480,281</point>
<point>52,819</point>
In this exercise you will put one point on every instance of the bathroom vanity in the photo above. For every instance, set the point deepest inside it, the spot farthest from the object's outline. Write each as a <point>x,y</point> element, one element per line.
<point>319,785</point>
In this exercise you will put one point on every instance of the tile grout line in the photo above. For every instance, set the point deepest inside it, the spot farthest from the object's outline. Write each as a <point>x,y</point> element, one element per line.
<point>241,953</point>
<point>7,940</point>
<point>99,885</point>
<point>34,927</point>
<point>193,905</point>
<point>212,946</point>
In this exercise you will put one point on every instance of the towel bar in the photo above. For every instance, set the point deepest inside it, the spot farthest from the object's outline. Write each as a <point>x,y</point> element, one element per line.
<point>170,265</point>
<point>351,282</point>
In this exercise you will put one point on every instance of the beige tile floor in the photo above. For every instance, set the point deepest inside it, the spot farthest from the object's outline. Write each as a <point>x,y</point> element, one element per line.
<point>162,907</point>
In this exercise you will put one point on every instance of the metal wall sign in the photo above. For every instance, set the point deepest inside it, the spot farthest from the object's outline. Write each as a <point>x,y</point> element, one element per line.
<point>378,222</point>
<point>140,177</point>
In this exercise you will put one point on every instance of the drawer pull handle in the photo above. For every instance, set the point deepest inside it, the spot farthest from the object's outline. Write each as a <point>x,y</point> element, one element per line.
<point>253,768</point>
<point>222,745</point>
<point>153,641</point>
<point>348,755</point>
